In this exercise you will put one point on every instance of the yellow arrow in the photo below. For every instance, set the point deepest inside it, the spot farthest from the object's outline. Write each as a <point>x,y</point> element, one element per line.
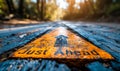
<point>61,43</point>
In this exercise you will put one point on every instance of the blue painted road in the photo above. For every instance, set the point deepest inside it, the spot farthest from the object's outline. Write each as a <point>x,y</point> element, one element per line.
<point>106,37</point>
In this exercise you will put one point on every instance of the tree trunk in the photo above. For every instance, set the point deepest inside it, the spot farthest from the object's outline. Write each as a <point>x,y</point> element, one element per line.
<point>21,7</point>
<point>42,9</point>
<point>10,6</point>
<point>38,8</point>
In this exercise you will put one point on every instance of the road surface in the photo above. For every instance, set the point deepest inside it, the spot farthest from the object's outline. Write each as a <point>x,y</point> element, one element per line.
<point>103,38</point>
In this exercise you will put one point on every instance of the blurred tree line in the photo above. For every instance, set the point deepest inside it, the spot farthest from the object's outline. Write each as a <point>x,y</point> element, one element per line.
<point>92,9</point>
<point>50,10</point>
<point>30,9</point>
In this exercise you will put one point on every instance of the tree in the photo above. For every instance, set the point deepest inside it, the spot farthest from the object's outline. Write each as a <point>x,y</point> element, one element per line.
<point>21,8</point>
<point>10,6</point>
<point>52,10</point>
<point>38,7</point>
<point>42,9</point>
<point>71,6</point>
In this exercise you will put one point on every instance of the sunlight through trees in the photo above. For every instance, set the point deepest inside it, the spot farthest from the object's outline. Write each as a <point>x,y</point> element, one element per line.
<point>59,9</point>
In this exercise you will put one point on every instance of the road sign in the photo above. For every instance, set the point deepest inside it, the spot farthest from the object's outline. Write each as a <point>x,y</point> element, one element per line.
<point>61,43</point>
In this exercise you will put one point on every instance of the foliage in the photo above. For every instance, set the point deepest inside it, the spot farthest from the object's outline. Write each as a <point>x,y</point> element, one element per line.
<point>3,7</point>
<point>93,9</point>
<point>49,10</point>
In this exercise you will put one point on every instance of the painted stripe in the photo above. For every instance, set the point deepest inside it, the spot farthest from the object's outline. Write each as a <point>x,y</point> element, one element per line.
<point>61,43</point>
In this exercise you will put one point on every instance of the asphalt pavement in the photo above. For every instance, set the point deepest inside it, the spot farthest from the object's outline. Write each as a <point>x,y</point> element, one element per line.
<point>104,36</point>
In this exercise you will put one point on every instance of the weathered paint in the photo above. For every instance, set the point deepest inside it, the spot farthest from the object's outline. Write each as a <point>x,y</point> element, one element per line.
<point>74,47</point>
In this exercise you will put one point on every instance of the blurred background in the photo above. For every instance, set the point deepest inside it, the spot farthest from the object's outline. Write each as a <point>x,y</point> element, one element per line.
<point>55,10</point>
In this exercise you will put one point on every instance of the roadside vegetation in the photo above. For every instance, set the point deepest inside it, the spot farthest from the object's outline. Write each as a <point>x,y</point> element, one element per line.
<point>50,10</point>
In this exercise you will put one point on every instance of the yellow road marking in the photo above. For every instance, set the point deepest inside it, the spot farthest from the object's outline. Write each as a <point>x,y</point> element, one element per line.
<point>77,47</point>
